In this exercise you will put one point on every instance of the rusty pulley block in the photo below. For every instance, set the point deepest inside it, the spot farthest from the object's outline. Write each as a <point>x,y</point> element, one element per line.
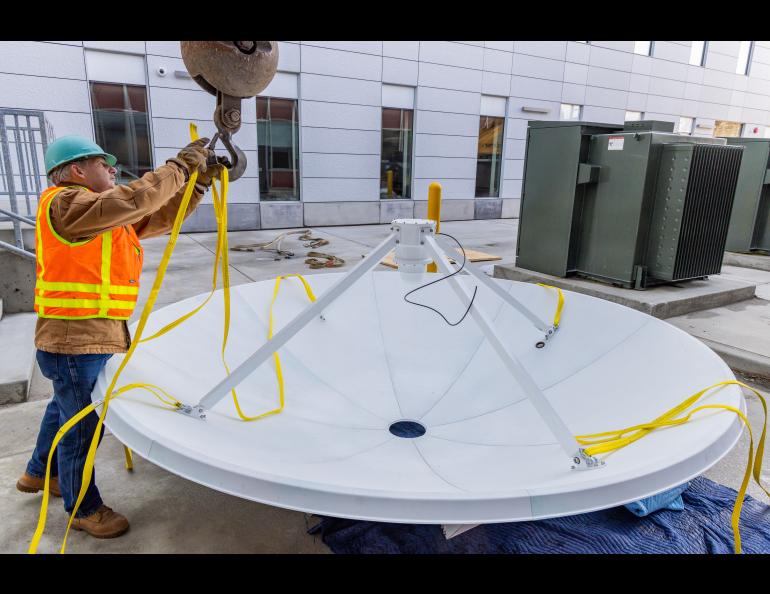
<point>231,71</point>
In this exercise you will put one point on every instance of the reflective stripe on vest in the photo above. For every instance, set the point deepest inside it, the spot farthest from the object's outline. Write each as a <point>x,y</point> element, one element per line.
<point>96,278</point>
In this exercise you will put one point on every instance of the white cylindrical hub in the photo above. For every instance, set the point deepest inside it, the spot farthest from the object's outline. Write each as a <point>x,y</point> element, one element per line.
<point>411,254</point>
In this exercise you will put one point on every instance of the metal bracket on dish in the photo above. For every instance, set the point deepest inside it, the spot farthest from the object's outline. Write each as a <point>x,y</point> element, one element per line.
<point>197,411</point>
<point>583,461</point>
<point>548,335</point>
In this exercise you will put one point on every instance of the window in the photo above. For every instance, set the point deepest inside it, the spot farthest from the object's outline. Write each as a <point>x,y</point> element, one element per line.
<point>685,125</point>
<point>490,155</point>
<point>396,155</point>
<point>723,128</point>
<point>643,48</point>
<point>278,148</point>
<point>698,53</point>
<point>570,112</point>
<point>744,57</point>
<point>633,116</point>
<point>122,127</point>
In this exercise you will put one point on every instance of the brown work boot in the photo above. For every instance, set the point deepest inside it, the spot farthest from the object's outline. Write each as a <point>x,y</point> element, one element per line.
<point>103,523</point>
<point>32,484</point>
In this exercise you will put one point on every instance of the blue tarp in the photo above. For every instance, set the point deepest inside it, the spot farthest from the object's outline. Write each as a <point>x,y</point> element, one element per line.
<point>702,527</point>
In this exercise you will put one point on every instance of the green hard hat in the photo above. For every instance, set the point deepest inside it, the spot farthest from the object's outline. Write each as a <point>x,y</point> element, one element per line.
<point>71,148</point>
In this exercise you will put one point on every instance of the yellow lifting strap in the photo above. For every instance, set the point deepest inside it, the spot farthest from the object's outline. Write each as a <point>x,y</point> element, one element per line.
<point>559,306</point>
<point>609,441</point>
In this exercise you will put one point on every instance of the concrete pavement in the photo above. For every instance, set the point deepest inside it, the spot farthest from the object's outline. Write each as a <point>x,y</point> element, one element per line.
<point>170,514</point>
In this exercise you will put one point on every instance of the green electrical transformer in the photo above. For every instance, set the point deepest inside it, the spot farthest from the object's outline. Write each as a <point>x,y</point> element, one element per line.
<point>750,222</point>
<point>633,205</point>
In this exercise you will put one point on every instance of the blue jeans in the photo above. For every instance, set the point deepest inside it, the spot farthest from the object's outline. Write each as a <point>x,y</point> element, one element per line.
<point>74,377</point>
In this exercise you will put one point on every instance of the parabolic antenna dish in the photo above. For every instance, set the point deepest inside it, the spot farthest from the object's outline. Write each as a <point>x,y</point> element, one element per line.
<point>374,360</point>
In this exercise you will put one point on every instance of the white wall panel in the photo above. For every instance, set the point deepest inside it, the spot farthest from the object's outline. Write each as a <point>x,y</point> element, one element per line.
<point>515,149</point>
<point>494,83</point>
<point>400,72</point>
<point>339,190</point>
<point>578,52</point>
<point>498,61</point>
<point>516,128</point>
<point>513,169</point>
<point>493,106</point>
<point>398,96</point>
<point>452,54</point>
<point>176,133</point>
<point>430,145</point>
<point>407,50</point>
<point>639,83</point>
<point>716,78</point>
<point>621,46</point>
<point>335,115</point>
<point>608,79</point>
<point>451,189</point>
<point>695,74</point>
<point>340,90</point>
<point>575,94</point>
<point>284,85</point>
<point>510,188</point>
<point>288,57</point>
<point>594,113</point>
<point>317,60</point>
<point>330,140</point>
<point>444,167</point>
<point>555,50</point>
<point>729,48</point>
<point>433,122</point>
<point>347,166</point>
<point>667,50</point>
<point>607,58</point>
<point>65,123</point>
<point>672,70</point>
<point>430,99</point>
<point>170,79</point>
<point>130,47</point>
<point>42,59</point>
<point>506,46</point>
<point>715,95</point>
<point>37,92</point>
<point>164,48</point>
<point>605,97</point>
<point>537,67</point>
<point>575,73</point>
<point>181,103</point>
<point>535,88</point>
<point>116,68</point>
<point>637,102</point>
<point>449,77</point>
<point>663,105</point>
<point>362,47</point>
<point>667,87</point>
<point>721,62</point>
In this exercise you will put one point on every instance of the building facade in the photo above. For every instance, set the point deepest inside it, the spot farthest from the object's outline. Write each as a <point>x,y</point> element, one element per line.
<point>353,132</point>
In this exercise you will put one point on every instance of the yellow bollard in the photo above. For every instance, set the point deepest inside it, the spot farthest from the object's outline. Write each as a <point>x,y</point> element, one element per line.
<point>390,183</point>
<point>434,212</point>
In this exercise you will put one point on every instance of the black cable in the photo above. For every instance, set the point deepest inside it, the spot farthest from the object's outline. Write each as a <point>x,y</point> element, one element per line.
<point>442,279</point>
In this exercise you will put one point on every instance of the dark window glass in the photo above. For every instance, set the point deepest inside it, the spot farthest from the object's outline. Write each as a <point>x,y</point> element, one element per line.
<point>490,155</point>
<point>278,139</point>
<point>123,127</point>
<point>396,159</point>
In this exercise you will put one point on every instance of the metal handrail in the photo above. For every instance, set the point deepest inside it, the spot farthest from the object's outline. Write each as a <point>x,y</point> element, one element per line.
<point>19,251</point>
<point>18,217</point>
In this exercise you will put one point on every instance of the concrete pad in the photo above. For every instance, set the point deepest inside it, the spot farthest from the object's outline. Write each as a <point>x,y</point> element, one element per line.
<point>757,261</point>
<point>739,333</point>
<point>664,301</point>
<point>17,333</point>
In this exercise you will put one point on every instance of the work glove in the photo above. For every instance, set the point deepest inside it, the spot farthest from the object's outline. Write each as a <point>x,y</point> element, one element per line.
<point>193,156</point>
<point>206,177</point>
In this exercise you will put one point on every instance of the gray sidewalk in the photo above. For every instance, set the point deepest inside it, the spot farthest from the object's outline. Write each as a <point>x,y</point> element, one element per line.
<point>169,514</point>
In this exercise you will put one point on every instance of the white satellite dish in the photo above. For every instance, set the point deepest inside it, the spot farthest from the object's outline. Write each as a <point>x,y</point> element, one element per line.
<point>393,415</point>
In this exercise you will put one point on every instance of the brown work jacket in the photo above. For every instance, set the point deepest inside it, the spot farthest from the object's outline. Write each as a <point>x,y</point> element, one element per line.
<point>149,204</point>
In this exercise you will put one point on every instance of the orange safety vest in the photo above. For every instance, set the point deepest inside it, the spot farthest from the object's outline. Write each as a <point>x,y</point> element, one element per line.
<point>96,278</point>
